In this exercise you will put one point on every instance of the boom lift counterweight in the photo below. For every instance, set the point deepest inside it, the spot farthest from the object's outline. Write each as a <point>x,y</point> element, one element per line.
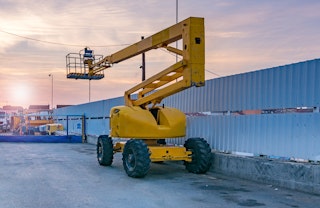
<point>141,120</point>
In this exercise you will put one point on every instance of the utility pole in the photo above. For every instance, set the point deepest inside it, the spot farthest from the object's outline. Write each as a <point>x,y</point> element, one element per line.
<point>143,66</point>
<point>51,75</point>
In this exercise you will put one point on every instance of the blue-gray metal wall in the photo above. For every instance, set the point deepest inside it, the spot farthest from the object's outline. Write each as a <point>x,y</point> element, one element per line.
<point>216,112</point>
<point>96,114</point>
<point>294,85</point>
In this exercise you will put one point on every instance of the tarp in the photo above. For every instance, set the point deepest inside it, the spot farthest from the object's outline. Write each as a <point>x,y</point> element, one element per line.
<point>42,139</point>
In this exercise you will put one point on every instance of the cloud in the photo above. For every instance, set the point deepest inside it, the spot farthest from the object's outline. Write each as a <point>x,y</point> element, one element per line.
<point>240,36</point>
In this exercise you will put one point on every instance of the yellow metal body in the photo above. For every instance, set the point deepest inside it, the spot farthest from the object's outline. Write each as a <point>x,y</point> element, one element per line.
<point>161,152</point>
<point>53,127</point>
<point>136,122</point>
<point>37,121</point>
<point>15,122</point>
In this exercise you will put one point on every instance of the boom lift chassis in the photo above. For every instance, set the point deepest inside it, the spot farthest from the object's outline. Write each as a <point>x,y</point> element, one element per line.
<point>142,122</point>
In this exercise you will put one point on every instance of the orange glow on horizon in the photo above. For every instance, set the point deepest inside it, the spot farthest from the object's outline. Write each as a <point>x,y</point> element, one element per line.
<point>20,95</point>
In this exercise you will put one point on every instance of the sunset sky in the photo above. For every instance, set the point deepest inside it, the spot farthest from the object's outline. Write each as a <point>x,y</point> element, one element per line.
<point>241,36</point>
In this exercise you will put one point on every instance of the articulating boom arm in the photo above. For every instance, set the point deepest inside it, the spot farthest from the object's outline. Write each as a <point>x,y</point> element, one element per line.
<point>140,121</point>
<point>181,75</point>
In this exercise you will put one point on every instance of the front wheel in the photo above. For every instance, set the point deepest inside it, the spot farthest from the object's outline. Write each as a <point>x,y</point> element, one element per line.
<point>105,150</point>
<point>201,155</point>
<point>135,157</point>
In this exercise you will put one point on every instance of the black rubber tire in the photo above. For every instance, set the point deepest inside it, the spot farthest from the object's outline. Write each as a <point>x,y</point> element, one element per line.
<point>136,158</point>
<point>201,155</point>
<point>105,150</point>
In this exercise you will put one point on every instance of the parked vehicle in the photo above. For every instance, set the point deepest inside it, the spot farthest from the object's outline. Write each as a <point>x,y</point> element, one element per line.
<point>4,121</point>
<point>51,129</point>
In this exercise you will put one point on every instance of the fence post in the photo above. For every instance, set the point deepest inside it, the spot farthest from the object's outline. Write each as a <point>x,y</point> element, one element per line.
<point>67,126</point>
<point>84,137</point>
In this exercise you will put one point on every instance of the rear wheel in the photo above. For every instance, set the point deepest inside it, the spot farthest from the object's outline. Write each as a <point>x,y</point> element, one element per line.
<point>135,157</point>
<point>201,155</point>
<point>105,150</point>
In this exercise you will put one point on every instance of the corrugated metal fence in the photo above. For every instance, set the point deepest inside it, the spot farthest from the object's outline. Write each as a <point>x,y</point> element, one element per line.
<point>273,112</point>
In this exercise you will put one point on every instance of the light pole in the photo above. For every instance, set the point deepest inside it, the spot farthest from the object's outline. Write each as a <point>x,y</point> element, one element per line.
<point>89,90</point>
<point>51,75</point>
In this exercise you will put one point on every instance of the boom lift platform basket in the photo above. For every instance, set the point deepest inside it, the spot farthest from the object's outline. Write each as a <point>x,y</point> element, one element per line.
<point>77,65</point>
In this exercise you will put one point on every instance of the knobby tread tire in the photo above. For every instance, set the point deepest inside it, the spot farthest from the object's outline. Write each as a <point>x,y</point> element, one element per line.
<point>136,158</point>
<point>104,150</point>
<point>201,155</point>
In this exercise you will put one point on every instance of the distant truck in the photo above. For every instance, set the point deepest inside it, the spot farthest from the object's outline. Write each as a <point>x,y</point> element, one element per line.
<point>50,129</point>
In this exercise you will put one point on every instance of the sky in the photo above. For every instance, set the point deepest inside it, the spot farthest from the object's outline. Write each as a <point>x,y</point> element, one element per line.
<point>241,36</point>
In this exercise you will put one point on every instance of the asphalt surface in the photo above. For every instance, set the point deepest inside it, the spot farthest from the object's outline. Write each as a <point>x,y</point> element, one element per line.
<point>68,175</point>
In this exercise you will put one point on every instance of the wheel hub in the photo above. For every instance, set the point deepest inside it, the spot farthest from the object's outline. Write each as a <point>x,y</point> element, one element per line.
<point>131,161</point>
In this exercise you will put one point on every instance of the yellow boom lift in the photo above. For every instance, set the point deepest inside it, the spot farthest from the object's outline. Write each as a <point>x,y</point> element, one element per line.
<point>143,121</point>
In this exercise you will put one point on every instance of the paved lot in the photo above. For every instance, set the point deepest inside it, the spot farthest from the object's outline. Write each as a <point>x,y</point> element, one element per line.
<point>68,175</point>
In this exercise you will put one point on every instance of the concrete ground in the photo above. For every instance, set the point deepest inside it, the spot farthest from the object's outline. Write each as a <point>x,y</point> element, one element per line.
<point>68,175</point>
